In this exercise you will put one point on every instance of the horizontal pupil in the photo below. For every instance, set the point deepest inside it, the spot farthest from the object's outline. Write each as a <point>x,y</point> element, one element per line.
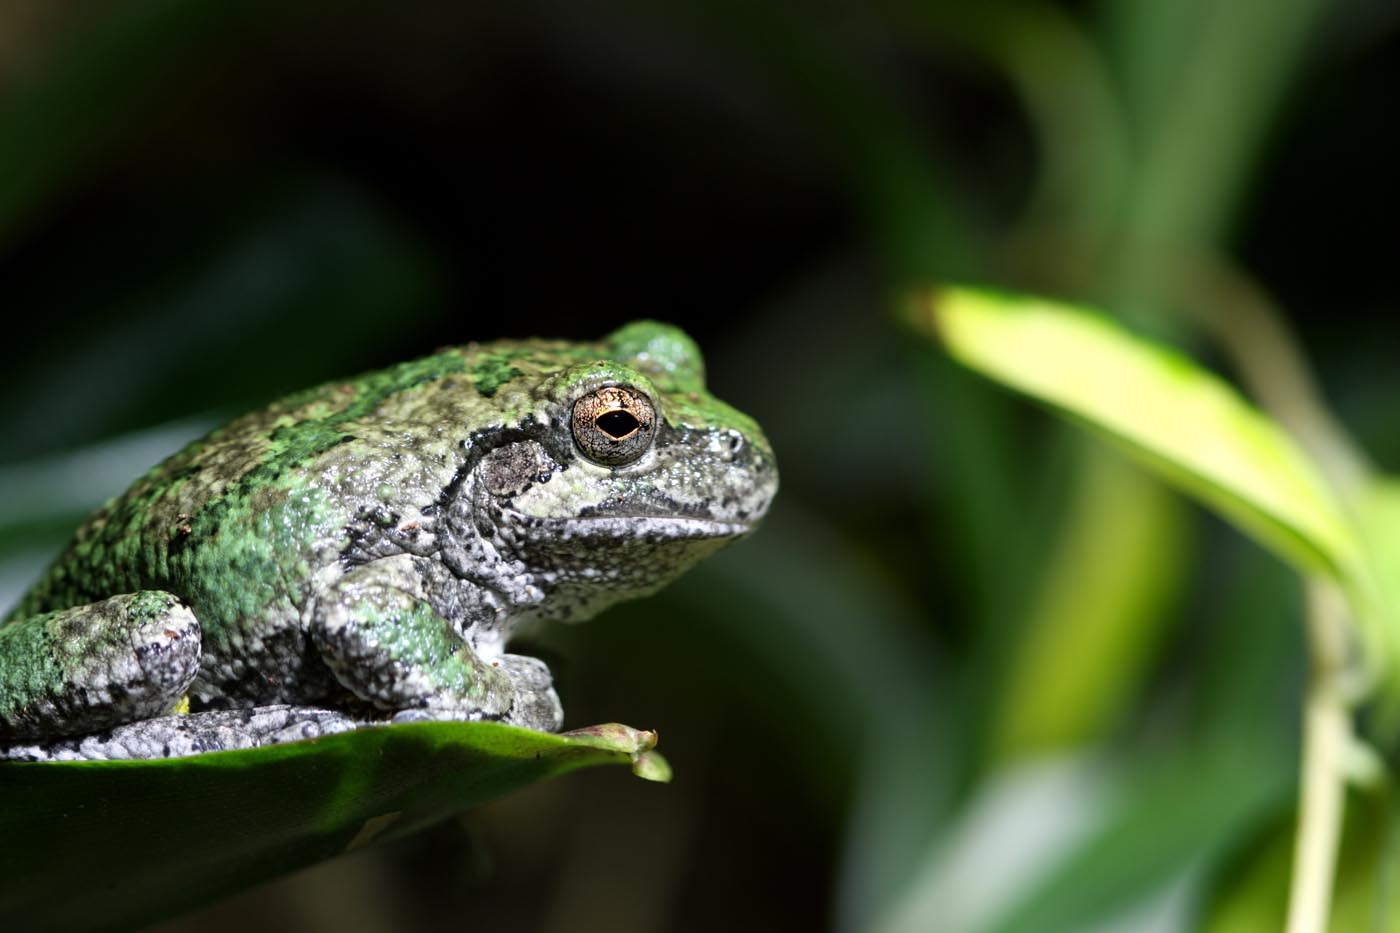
<point>617,424</point>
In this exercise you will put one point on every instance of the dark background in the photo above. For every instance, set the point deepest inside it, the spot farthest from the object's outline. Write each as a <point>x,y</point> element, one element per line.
<point>966,640</point>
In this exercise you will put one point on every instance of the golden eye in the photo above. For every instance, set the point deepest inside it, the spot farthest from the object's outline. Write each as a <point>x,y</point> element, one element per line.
<point>613,426</point>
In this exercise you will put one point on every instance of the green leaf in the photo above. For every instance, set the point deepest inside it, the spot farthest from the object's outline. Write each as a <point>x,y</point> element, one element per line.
<point>1164,828</point>
<point>1115,570</point>
<point>117,843</point>
<point>1088,841</point>
<point>1377,510</point>
<point>1184,422</point>
<point>1252,893</point>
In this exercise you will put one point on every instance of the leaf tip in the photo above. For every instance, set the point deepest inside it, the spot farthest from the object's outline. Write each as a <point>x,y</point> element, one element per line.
<point>919,308</point>
<point>651,766</point>
<point>614,736</point>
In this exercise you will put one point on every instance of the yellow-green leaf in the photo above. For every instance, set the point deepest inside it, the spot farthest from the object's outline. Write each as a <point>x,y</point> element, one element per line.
<point>1183,421</point>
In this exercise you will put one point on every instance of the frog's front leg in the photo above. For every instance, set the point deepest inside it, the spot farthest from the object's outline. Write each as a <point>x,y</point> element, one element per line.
<point>385,631</point>
<point>96,666</point>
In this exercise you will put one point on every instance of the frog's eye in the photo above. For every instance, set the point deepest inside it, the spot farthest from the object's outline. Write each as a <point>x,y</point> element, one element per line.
<point>614,425</point>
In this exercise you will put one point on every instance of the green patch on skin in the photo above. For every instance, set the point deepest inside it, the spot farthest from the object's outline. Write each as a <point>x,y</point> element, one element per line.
<point>495,371</point>
<point>298,442</point>
<point>665,353</point>
<point>584,377</point>
<point>149,606</point>
<point>411,633</point>
<point>31,664</point>
<point>228,577</point>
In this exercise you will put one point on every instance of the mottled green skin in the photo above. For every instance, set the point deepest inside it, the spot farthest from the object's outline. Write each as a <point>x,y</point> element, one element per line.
<point>425,509</point>
<point>158,636</point>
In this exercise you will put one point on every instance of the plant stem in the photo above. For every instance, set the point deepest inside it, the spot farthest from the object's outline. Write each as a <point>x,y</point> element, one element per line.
<point>1249,325</point>
<point>1326,734</point>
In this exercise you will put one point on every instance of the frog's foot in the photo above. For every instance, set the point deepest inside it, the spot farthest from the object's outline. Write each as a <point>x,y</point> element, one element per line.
<point>535,705</point>
<point>532,702</point>
<point>177,736</point>
<point>254,727</point>
<point>380,632</point>
<point>96,666</point>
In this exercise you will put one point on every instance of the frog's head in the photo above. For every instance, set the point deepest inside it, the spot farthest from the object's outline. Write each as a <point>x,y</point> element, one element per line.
<point>625,472</point>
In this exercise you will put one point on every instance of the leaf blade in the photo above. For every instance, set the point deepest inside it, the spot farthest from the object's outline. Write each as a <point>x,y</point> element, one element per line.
<point>1184,422</point>
<point>117,843</point>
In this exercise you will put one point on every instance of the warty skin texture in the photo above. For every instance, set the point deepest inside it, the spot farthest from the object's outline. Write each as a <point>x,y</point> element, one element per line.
<point>368,546</point>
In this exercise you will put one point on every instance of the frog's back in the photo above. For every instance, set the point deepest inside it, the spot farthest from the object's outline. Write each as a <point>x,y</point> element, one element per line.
<point>241,520</point>
<point>236,501</point>
<point>151,536</point>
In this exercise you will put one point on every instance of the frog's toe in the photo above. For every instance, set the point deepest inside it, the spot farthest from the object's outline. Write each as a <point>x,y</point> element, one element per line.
<point>167,648</point>
<point>534,705</point>
<point>96,666</point>
<point>530,710</point>
<point>519,692</point>
<point>537,709</point>
<point>525,672</point>
<point>429,715</point>
<point>180,736</point>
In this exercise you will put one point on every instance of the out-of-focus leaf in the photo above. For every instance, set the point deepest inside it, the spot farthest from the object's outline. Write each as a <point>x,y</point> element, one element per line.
<point>1097,618</point>
<point>1193,429</point>
<point>91,845</point>
<point>1377,510</point>
<point>1200,82</point>
<point>1167,826</point>
<point>1083,165</point>
<point>1253,893</point>
<point>999,844</point>
<point>1183,421</point>
<point>1092,844</point>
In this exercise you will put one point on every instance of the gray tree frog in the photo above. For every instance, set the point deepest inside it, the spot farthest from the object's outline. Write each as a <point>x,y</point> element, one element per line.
<point>361,552</point>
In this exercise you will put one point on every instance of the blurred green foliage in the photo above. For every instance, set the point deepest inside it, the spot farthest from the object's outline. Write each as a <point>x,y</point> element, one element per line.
<point>974,673</point>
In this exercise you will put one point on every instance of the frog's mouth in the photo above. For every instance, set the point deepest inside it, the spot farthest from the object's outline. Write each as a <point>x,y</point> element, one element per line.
<point>617,526</point>
<point>654,526</point>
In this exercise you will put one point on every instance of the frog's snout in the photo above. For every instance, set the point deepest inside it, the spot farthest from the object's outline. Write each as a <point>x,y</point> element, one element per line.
<point>763,468</point>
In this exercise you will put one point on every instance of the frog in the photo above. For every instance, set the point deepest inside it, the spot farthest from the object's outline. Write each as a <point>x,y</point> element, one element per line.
<point>362,553</point>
